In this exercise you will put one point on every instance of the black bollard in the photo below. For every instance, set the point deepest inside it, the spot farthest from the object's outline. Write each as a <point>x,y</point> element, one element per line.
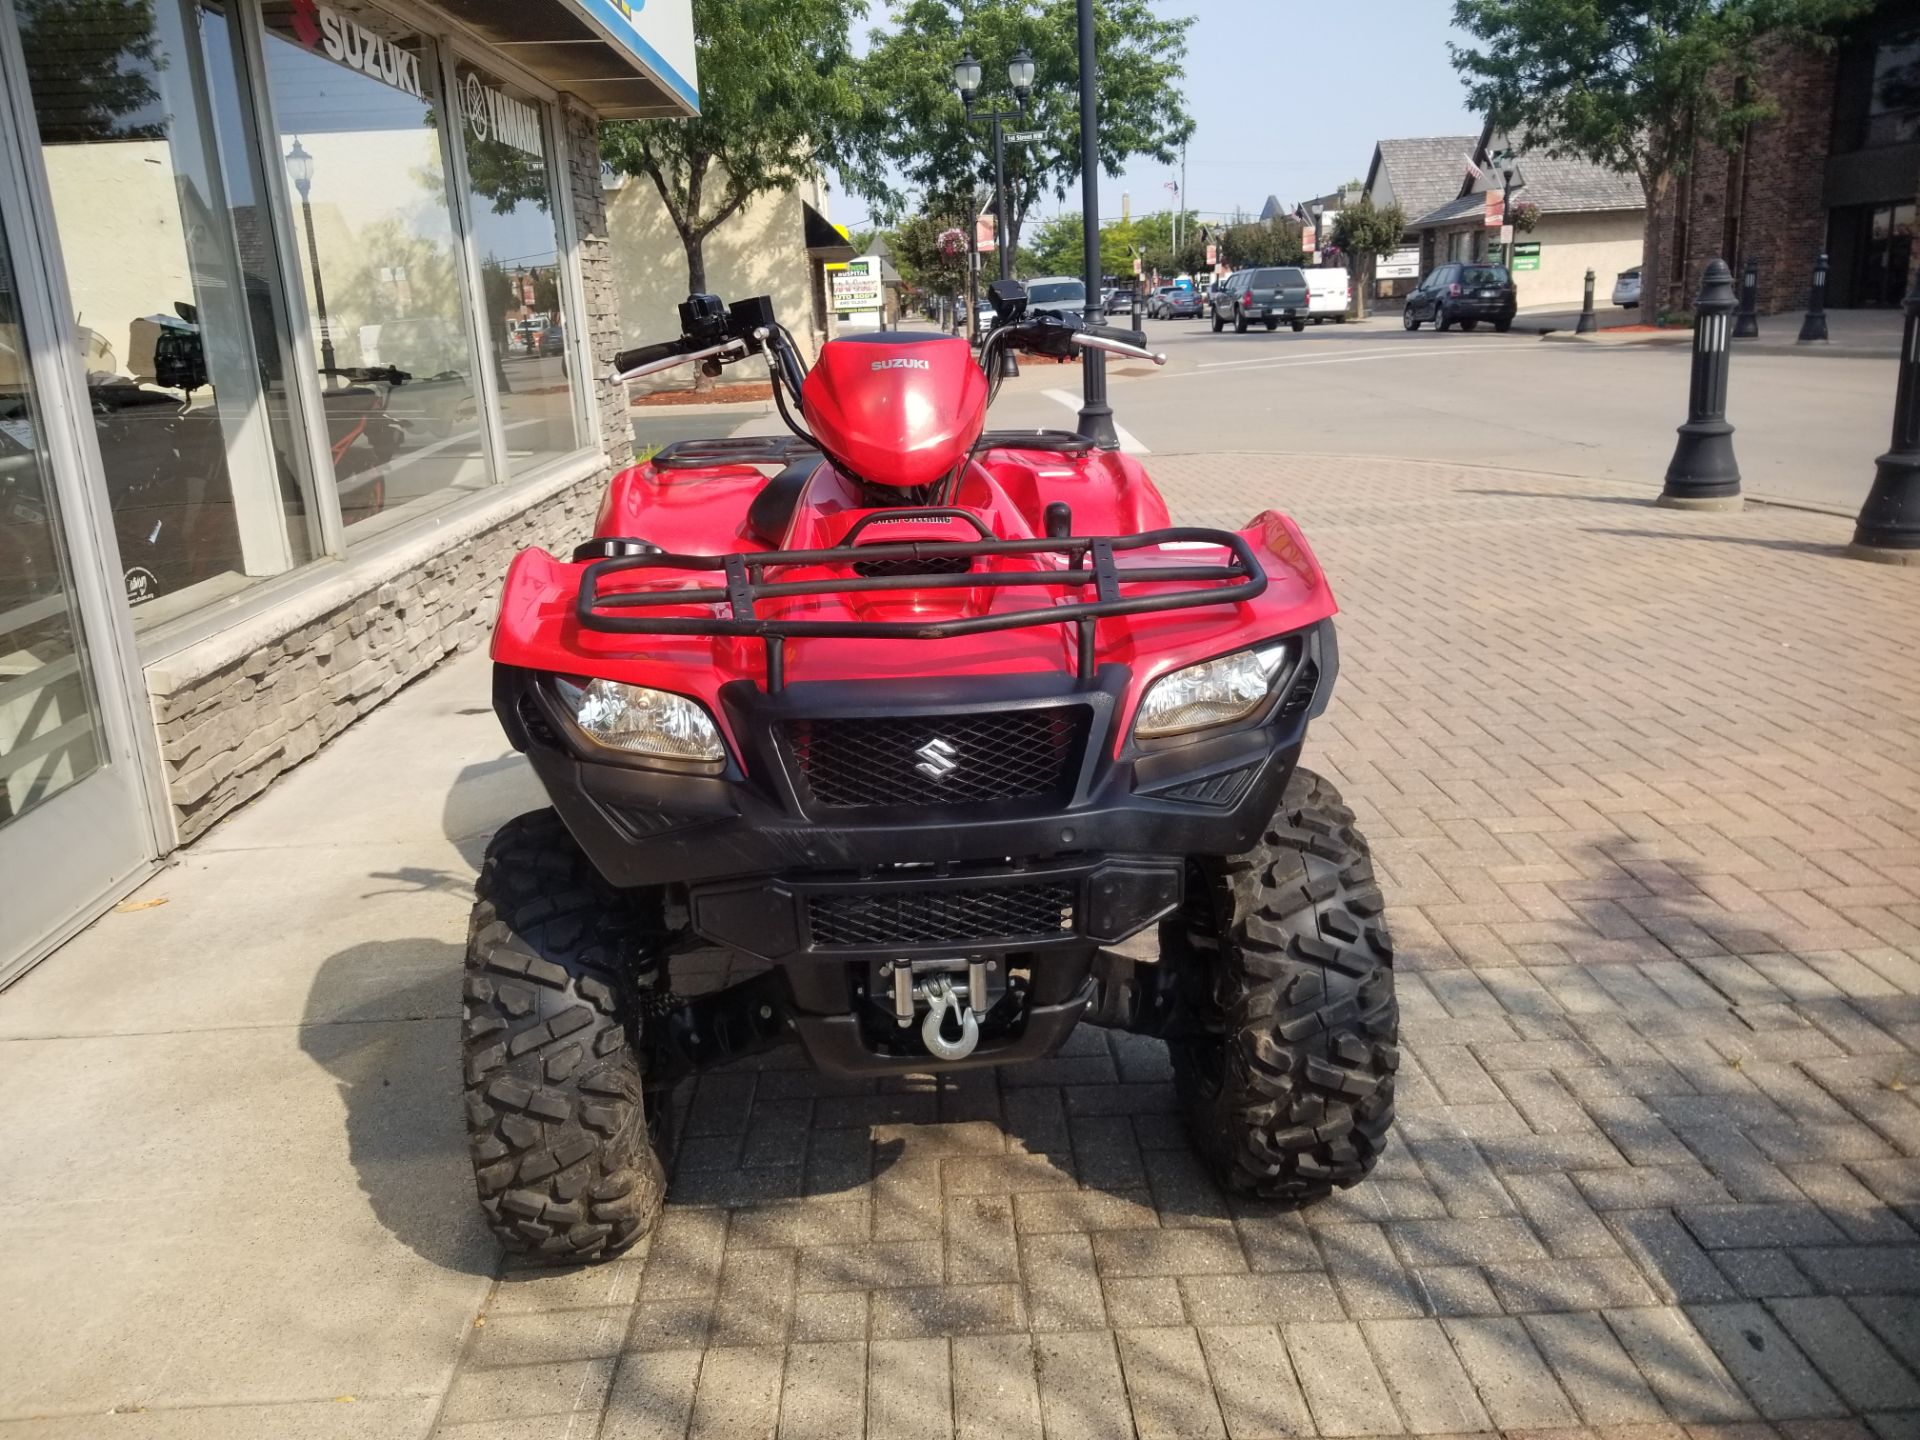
<point>1814,327</point>
<point>1889,526</point>
<point>1586,324</point>
<point>1746,324</point>
<point>1703,475</point>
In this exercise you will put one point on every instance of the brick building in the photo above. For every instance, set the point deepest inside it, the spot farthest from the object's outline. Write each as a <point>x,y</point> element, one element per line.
<point>1837,169</point>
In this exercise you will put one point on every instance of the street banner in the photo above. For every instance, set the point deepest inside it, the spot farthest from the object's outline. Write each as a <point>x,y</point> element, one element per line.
<point>983,235</point>
<point>1308,239</point>
<point>1496,209</point>
<point>1213,254</point>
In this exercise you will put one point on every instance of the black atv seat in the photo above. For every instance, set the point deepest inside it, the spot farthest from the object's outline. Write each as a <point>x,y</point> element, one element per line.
<point>772,509</point>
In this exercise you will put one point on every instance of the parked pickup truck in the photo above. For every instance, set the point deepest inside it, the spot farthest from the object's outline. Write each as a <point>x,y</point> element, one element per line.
<point>1265,296</point>
<point>1329,292</point>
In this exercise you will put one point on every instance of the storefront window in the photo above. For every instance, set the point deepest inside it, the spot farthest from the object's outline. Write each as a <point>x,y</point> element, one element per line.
<point>183,358</point>
<point>48,738</point>
<point>355,96</point>
<point>512,210</point>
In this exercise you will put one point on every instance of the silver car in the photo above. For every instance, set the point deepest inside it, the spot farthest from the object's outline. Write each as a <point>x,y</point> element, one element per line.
<point>1626,289</point>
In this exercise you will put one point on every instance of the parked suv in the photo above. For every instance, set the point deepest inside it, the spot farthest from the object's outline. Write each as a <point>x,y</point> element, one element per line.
<point>1269,295</point>
<point>1468,293</point>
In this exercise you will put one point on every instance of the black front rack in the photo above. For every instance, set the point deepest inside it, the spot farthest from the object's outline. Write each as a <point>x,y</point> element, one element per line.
<point>1089,562</point>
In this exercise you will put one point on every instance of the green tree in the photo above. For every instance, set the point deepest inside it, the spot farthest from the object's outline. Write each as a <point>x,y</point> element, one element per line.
<point>919,131</point>
<point>1250,242</point>
<point>1631,84</point>
<point>921,259</point>
<point>1362,233</point>
<point>779,99</point>
<point>1058,246</point>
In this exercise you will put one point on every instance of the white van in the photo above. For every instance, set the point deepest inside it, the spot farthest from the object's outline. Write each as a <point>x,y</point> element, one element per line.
<point>1328,293</point>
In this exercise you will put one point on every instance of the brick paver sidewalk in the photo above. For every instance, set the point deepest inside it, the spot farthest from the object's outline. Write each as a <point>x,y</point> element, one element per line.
<point>1645,787</point>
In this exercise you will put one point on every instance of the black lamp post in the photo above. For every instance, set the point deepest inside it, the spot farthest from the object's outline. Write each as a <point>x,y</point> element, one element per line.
<point>1889,524</point>
<point>300,169</point>
<point>966,79</point>
<point>1096,415</point>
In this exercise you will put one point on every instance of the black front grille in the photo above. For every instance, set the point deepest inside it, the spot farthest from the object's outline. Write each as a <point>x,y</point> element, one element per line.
<point>940,759</point>
<point>1002,915</point>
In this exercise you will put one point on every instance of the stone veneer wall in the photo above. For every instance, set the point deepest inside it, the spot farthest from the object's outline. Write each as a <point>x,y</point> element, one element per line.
<point>226,736</point>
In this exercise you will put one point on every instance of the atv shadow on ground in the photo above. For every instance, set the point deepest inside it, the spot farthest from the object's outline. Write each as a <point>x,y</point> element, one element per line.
<point>394,1053</point>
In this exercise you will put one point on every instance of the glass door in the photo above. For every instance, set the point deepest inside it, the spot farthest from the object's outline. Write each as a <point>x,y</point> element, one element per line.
<point>74,823</point>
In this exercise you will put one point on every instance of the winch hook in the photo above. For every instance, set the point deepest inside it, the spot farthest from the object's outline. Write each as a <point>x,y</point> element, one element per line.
<point>939,997</point>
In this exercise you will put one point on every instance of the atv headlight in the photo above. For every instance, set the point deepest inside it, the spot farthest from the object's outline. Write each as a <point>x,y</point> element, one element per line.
<point>642,721</point>
<point>1214,692</point>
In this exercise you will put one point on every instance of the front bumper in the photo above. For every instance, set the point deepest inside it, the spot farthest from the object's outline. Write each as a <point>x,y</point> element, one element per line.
<point>773,872</point>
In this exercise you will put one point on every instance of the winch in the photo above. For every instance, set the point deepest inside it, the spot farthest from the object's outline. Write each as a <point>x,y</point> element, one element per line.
<point>954,994</point>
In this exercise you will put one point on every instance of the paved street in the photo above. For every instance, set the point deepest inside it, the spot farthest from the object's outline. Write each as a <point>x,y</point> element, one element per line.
<point>1645,790</point>
<point>1807,427</point>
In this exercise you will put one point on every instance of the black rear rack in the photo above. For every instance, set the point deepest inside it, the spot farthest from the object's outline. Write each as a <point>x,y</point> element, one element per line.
<point>1089,562</point>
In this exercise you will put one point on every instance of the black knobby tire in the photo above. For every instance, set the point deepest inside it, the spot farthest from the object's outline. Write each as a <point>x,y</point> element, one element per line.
<point>1290,966</point>
<point>557,962</point>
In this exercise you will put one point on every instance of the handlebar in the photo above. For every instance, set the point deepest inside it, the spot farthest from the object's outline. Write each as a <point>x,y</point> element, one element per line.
<point>651,359</point>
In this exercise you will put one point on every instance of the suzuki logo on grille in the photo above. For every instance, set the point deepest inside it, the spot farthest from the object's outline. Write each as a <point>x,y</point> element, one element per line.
<point>938,759</point>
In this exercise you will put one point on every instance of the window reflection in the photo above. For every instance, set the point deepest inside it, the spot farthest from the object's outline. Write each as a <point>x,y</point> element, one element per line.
<point>47,735</point>
<point>354,98</point>
<point>520,273</point>
<point>179,341</point>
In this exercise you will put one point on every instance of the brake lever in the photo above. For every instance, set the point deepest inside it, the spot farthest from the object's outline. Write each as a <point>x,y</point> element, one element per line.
<point>1114,347</point>
<point>727,349</point>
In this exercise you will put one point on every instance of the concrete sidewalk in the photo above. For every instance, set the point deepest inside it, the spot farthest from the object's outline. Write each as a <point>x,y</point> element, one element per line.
<point>1645,790</point>
<point>1851,334</point>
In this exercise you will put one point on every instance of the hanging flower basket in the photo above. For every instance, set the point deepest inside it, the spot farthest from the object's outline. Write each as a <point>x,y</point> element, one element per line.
<point>1524,216</point>
<point>953,243</point>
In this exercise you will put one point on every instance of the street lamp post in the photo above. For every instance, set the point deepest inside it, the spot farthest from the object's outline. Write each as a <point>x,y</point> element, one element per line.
<point>1096,415</point>
<point>966,78</point>
<point>300,169</point>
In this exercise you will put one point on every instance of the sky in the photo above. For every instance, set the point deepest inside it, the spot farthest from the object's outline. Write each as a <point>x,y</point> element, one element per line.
<point>1342,76</point>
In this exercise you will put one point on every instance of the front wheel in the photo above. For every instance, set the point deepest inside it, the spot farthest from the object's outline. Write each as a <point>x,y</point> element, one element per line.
<point>1407,322</point>
<point>557,961</point>
<point>1286,1076</point>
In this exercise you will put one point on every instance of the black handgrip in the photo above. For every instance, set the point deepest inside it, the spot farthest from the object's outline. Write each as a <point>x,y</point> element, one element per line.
<point>646,354</point>
<point>1135,338</point>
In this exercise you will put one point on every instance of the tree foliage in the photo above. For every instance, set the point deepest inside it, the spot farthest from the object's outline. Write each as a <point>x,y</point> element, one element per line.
<point>1630,84</point>
<point>1251,242</point>
<point>921,259</point>
<point>1361,232</point>
<point>100,57</point>
<point>919,130</point>
<point>779,99</point>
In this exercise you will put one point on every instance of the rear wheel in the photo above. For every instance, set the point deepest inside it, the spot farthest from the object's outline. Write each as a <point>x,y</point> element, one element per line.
<point>1440,321</point>
<point>1298,326</point>
<point>1216,322</point>
<point>1469,324</point>
<point>1274,323</point>
<point>558,963</point>
<point>1239,322</point>
<point>1288,1089</point>
<point>1503,326</point>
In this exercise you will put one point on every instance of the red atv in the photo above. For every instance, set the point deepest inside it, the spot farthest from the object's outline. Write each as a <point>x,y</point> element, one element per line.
<point>928,721</point>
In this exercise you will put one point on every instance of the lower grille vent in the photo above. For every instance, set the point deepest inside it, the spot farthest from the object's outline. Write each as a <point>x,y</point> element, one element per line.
<point>935,917</point>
